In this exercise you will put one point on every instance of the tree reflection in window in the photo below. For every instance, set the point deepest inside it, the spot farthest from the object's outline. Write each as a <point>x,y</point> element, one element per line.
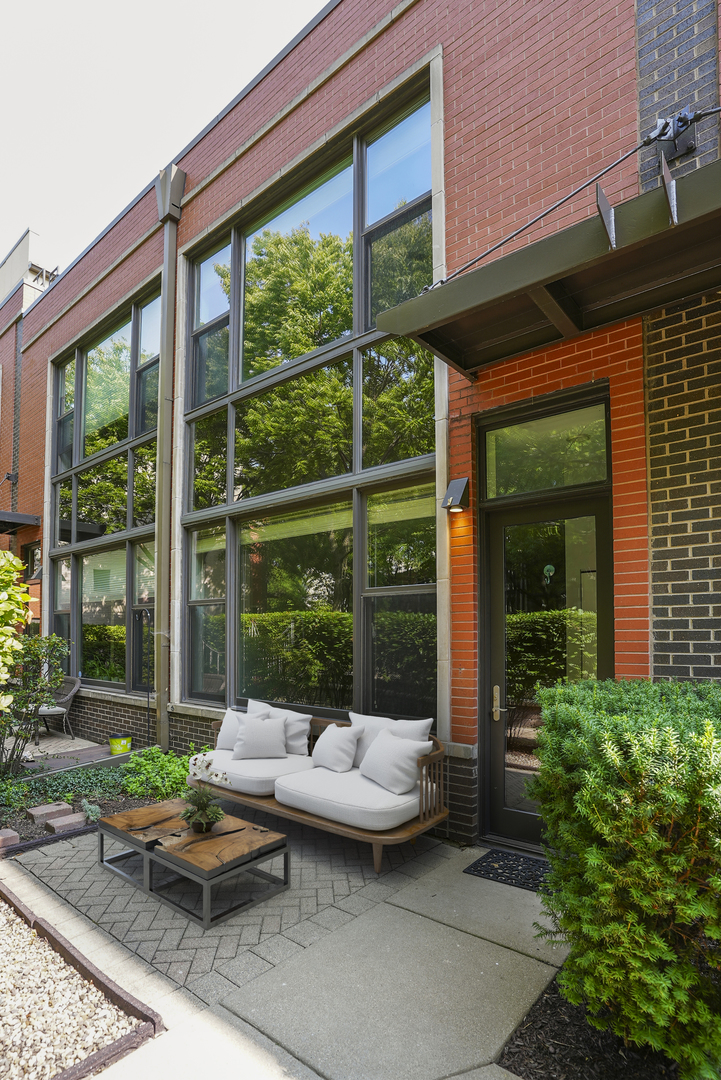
<point>144,460</point>
<point>107,392</point>
<point>299,432</point>
<point>401,263</point>
<point>299,277</point>
<point>398,403</point>
<point>103,499</point>
<point>210,441</point>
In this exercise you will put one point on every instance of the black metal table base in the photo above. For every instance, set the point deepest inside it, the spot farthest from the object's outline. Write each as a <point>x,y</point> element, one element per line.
<point>151,859</point>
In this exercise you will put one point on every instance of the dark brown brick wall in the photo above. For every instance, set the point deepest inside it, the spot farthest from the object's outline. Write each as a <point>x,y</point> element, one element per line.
<point>97,719</point>
<point>462,795</point>
<point>683,375</point>
<point>677,66</point>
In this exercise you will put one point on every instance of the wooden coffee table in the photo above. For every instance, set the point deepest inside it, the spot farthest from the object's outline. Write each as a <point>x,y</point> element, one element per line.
<point>160,836</point>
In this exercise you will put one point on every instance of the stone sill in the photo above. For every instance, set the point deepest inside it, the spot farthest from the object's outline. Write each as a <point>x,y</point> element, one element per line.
<point>462,750</point>
<point>115,697</point>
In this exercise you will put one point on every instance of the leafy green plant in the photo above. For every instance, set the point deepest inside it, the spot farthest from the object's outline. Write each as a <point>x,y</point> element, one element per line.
<point>202,809</point>
<point>630,794</point>
<point>92,812</point>
<point>153,774</point>
<point>92,783</point>
<point>37,672</point>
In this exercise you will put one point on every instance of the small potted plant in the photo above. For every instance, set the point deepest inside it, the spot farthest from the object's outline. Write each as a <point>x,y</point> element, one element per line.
<point>202,811</point>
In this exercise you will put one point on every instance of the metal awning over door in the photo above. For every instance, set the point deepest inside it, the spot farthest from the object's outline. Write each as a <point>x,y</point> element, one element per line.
<point>573,281</point>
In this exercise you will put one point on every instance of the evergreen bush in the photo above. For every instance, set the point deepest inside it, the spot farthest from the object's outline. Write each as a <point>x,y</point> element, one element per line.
<point>630,794</point>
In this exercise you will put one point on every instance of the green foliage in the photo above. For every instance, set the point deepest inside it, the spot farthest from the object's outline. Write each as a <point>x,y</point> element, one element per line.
<point>37,672</point>
<point>14,611</point>
<point>67,787</point>
<point>540,645</point>
<point>91,811</point>
<point>298,296</point>
<point>404,654</point>
<point>104,652</point>
<point>630,794</point>
<point>210,456</point>
<point>202,807</point>
<point>401,264</point>
<point>152,774</point>
<point>398,402</point>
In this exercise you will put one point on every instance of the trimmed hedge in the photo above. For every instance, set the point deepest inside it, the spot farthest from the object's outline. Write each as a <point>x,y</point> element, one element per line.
<point>630,794</point>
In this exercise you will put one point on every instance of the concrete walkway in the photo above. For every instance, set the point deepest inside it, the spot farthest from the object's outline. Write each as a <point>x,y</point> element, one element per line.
<point>419,974</point>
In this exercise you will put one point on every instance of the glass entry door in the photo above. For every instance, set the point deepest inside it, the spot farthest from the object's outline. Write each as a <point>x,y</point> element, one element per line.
<point>551,613</point>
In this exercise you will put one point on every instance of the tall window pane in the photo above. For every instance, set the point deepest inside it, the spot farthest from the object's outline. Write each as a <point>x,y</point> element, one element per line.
<point>299,276</point>
<point>143,615</point>
<point>402,537</point>
<point>107,392</point>
<point>207,561</point>
<point>403,639</point>
<point>66,390</point>
<point>398,165</point>
<point>66,427</point>
<point>103,499</point>
<point>148,398</point>
<point>61,606</point>
<point>299,432</point>
<point>212,286</point>
<point>149,331</point>
<point>401,261</point>
<point>63,512</point>
<point>398,403</point>
<point>296,622</point>
<point>211,364</point>
<point>103,616</point>
<point>552,452</point>
<point>210,443</point>
<point>144,462</point>
<point>207,614</point>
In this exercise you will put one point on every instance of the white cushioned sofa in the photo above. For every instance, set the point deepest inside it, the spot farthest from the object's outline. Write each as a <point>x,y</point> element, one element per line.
<point>369,778</point>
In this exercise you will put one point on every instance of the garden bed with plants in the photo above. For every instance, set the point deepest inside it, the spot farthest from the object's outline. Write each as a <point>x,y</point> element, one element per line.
<point>150,776</point>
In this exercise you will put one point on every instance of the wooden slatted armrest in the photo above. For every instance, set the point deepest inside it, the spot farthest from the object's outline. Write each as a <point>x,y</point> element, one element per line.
<point>432,781</point>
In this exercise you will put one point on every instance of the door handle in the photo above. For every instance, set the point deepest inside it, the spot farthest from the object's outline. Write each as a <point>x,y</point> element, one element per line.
<point>497,710</point>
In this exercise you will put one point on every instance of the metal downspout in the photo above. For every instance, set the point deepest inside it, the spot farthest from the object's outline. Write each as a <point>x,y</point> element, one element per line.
<point>169,185</point>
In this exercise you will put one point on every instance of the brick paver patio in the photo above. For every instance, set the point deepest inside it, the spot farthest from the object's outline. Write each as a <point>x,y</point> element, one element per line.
<point>332,882</point>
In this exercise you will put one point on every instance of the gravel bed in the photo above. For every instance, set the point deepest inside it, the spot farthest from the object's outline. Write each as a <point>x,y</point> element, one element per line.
<point>556,1042</point>
<point>50,1017</point>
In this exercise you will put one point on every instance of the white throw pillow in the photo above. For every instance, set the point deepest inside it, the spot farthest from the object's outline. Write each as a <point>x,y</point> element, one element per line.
<point>232,722</point>
<point>335,748</point>
<point>403,729</point>
<point>393,762</point>
<point>297,727</point>
<point>260,738</point>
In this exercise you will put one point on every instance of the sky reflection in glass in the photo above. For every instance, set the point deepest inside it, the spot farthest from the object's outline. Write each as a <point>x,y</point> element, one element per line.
<point>399,165</point>
<point>327,209</point>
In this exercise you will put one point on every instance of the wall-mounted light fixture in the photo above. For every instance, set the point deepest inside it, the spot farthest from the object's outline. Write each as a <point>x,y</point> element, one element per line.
<point>456,497</point>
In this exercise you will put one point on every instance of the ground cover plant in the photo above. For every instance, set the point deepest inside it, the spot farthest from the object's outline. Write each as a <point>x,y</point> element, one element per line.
<point>630,794</point>
<point>149,776</point>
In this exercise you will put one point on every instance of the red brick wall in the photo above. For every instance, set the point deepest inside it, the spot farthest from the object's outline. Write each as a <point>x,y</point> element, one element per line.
<point>617,355</point>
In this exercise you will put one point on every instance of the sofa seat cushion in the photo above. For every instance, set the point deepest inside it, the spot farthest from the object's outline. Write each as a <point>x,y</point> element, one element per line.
<point>250,776</point>
<point>347,797</point>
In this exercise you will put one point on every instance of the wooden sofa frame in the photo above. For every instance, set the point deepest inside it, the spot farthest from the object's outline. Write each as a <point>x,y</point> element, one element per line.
<point>432,807</point>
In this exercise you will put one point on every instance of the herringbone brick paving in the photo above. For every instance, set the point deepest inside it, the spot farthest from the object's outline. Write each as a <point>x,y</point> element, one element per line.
<point>332,882</point>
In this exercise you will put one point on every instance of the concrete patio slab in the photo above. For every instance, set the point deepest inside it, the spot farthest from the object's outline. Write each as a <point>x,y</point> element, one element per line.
<point>486,909</point>
<point>411,999</point>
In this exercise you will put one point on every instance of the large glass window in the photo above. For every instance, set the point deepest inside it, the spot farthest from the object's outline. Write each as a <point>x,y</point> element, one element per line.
<point>295,604</point>
<point>207,614</point>
<point>299,432</point>
<point>299,276</point>
<point>108,487</point>
<point>308,452</point>
<point>103,617</point>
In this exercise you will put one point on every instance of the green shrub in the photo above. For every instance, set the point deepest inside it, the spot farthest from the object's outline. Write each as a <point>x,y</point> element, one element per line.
<point>152,774</point>
<point>630,794</point>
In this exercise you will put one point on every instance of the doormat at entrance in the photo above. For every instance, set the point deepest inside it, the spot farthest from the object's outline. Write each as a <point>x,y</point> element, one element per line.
<point>510,869</point>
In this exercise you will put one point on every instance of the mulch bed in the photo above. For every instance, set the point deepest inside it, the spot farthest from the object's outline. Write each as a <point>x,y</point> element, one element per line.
<point>556,1042</point>
<point>27,830</point>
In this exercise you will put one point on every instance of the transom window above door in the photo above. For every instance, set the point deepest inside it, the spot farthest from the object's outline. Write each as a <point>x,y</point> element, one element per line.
<point>565,449</point>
